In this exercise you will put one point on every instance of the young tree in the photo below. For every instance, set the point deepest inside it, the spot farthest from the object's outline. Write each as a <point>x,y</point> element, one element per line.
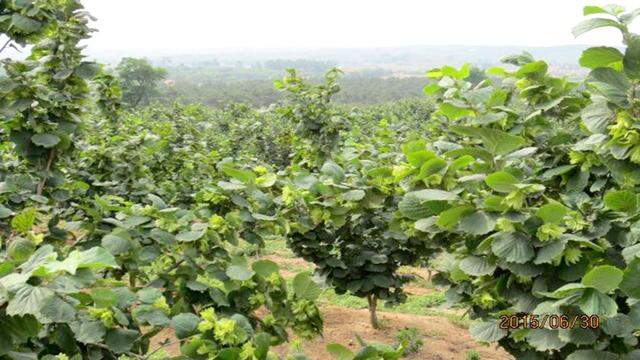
<point>341,203</point>
<point>139,80</point>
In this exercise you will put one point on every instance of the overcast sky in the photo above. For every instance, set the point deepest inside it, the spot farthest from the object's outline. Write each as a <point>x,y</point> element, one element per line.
<point>212,24</point>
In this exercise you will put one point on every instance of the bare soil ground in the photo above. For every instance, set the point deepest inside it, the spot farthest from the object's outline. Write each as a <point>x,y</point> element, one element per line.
<point>443,340</point>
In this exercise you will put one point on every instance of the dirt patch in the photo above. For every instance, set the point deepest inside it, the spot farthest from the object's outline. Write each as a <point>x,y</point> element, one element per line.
<point>443,340</point>
<point>289,267</point>
<point>417,290</point>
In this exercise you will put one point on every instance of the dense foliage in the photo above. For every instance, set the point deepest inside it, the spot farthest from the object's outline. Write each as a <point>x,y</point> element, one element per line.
<point>118,223</point>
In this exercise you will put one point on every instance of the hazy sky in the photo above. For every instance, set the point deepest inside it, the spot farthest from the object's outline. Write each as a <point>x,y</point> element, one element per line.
<point>208,24</point>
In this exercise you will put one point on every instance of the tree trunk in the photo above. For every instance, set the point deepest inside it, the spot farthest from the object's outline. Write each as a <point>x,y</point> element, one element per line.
<point>40,186</point>
<point>373,316</point>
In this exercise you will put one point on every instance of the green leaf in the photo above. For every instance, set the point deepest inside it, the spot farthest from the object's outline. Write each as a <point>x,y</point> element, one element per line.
<point>265,268</point>
<point>432,195</point>
<point>104,297</point>
<point>476,266</point>
<point>630,284</point>
<point>45,140</point>
<point>340,352</point>
<point>115,244</point>
<point>244,176</point>
<point>88,332</point>
<point>557,171</point>
<point>552,213</point>
<point>597,116</point>
<point>28,300</point>
<point>151,315</point>
<point>94,258</point>
<point>87,70</point>
<point>24,220</point>
<point>632,59</point>
<point>184,324</point>
<point>413,208</point>
<point>5,212</point>
<point>604,278</point>
<point>513,247</point>
<point>333,170</point>
<point>454,112</point>
<point>418,158</point>
<point>56,310</point>
<point>478,223</point>
<point>549,252</point>
<point>190,236</point>
<point>544,339</point>
<point>354,195</point>
<point>120,340</point>
<point>487,331</point>
<point>592,354</point>
<point>593,302</point>
<point>622,200</point>
<point>590,24</point>
<point>304,287</point>
<point>602,56</point>
<point>149,295</point>
<point>239,272</point>
<point>495,141</point>
<point>502,182</point>
<point>611,84</point>
<point>25,24</point>
<point>449,218</point>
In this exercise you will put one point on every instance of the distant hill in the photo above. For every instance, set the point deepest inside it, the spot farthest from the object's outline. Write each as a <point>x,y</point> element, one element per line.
<point>406,60</point>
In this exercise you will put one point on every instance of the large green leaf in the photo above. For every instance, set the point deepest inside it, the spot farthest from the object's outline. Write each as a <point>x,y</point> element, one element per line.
<point>544,339</point>
<point>413,208</point>
<point>239,272</point>
<point>601,56</point>
<point>597,116</point>
<point>477,266</point>
<point>604,278</point>
<point>115,244</point>
<point>25,24</point>
<point>630,284</point>
<point>304,287</point>
<point>265,268</point>
<point>88,331</point>
<point>590,24</point>
<point>502,181</point>
<point>592,354</point>
<point>622,200</point>
<point>487,331</point>
<point>24,220</point>
<point>450,217</point>
<point>28,300</point>
<point>513,247</point>
<point>120,340</point>
<point>56,310</point>
<point>184,324</point>
<point>632,58</point>
<point>612,84</point>
<point>478,223</point>
<point>340,352</point>
<point>495,141</point>
<point>552,213</point>
<point>593,302</point>
<point>45,140</point>
<point>432,195</point>
<point>94,258</point>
